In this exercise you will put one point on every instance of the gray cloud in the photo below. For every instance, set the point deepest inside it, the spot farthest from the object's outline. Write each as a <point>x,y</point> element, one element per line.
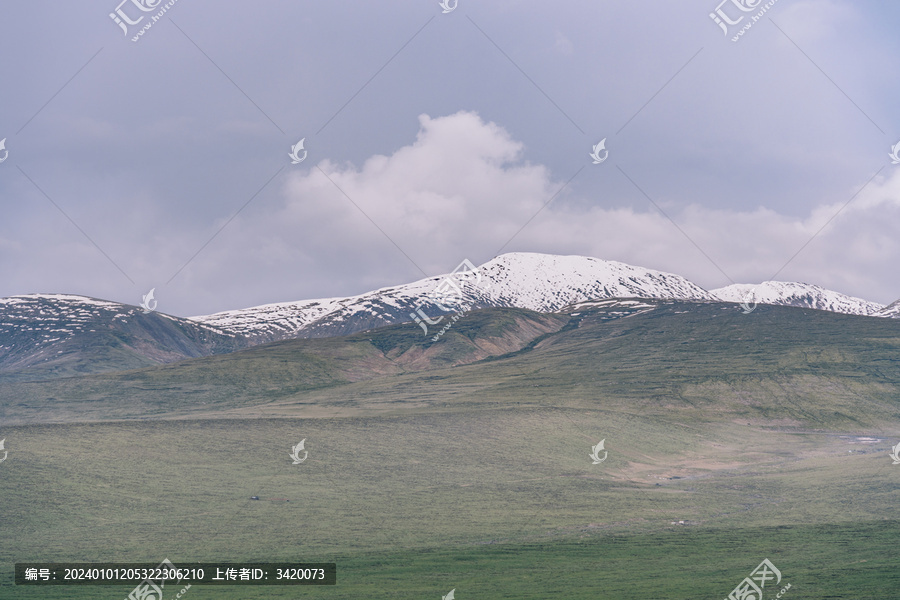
<point>151,149</point>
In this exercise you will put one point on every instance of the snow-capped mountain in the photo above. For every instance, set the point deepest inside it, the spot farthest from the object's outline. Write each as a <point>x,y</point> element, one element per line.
<point>539,282</point>
<point>891,310</point>
<point>798,294</point>
<point>68,334</point>
<point>60,335</point>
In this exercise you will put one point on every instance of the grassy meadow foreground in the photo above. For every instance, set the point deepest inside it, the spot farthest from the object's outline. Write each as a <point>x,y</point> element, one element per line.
<point>464,463</point>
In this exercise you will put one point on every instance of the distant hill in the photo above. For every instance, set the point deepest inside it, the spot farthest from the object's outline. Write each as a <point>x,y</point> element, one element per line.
<point>681,360</point>
<point>539,282</point>
<point>891,310</point>
<point>54,335</point>
<point>799,294</point>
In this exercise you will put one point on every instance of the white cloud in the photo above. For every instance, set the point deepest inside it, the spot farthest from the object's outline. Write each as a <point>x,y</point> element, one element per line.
<point>462,189</point>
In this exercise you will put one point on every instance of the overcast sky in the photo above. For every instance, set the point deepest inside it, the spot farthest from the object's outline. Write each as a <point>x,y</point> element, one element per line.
<point>432,137</point>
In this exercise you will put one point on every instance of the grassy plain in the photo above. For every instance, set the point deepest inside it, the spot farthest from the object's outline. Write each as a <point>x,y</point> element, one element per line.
<point>769,438</point>
<point>498,504</point>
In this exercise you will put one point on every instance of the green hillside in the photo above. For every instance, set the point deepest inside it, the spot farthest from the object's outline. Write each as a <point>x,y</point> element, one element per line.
<point>779,366</point>
<point>464,463</point>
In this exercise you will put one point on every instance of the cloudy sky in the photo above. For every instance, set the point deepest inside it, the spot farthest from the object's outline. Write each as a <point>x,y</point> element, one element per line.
<point>432,137</point>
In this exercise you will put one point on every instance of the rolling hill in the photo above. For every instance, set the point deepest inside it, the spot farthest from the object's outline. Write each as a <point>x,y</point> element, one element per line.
<point>56,335</point>
<point>463,463</point>
<point>661,355</point>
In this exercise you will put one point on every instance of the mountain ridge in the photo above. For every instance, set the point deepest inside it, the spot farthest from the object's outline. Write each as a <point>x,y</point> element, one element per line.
<point>61,334</point>
<point>787,293</point>
<point>539,282</point>
<point>594,349</point>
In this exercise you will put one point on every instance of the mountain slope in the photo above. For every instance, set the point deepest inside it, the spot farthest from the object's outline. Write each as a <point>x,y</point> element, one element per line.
<point>59,335</point>
<point>892,310</point>
<point>53,335</point>
<point>768,434</point>
<point>539,282</point>
<point>275,371</point>
<point>693,362</point>
<point>798,294</point>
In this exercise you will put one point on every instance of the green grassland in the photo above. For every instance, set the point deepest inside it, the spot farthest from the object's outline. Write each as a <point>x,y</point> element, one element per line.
<point>507,506</point>
<point>424,477</point>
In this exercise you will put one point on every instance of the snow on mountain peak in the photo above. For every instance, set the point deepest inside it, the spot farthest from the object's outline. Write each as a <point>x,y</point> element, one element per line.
<point>891,310</point>
<point>786,293</point>
<point>540,282</point>
<point>546,282</point>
